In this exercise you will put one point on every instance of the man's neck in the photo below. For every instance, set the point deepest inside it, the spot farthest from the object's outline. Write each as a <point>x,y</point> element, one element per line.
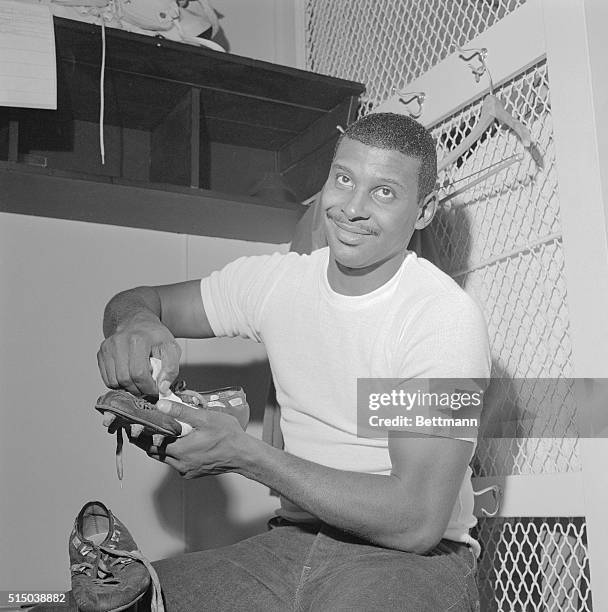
<point>360,281</point>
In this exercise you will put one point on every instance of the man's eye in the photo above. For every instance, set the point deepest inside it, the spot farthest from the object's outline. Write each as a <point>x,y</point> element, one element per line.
<point>343,180</point>
<point>384,193</point>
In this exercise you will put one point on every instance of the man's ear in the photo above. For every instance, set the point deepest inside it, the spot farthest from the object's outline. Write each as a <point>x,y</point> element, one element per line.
<point>427,210</point>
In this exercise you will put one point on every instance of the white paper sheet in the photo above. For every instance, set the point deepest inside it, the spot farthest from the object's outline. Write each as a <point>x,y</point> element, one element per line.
<point>28,73</point>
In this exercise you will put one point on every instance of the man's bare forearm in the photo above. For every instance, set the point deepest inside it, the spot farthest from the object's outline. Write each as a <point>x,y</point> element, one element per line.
<point>406,510</point>
<point>374,507</point>
<point>141,301</point>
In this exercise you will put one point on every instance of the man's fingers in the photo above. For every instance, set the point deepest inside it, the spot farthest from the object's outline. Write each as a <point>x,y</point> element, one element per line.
<point>123,364</point>
<point>154,446</point>
<point>106,362</point>
<point>139,366</point>
<point>123,374</point>
<point>159,455</point>
<point>174,463</point>
<point>102,368</point>
<point>169,354</point>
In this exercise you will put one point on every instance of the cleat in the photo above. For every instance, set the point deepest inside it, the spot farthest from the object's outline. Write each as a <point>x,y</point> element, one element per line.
<point>109,573</point>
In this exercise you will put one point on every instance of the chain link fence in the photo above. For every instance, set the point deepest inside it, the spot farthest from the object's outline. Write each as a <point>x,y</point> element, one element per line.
<point>501,241</point>
<point>387,44</point>
<point>533,564</point>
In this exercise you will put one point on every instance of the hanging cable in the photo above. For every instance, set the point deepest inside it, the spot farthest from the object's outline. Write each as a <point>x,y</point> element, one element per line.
<point>102,148</point>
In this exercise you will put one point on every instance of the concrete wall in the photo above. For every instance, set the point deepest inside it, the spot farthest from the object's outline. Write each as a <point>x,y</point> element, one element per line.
<point>56,277</point>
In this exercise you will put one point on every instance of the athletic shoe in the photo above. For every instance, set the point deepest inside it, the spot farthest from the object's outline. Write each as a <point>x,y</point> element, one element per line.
<point>131,410</point>
<point>109,573</point>
<point>136,410</point>
<point>229,400</point>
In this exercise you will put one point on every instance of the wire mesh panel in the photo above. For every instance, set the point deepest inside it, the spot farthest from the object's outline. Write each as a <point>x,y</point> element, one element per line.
<point>498,235</point>
<point>389,43</point>
<point>534,564</point>
<point>500,238</point>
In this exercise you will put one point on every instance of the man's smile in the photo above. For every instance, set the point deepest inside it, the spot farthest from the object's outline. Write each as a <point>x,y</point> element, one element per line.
<point>349,227</point>
<point>349,234</point>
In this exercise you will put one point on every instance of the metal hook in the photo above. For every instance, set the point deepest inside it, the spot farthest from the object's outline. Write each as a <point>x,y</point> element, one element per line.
<point>468,55</point>
<point>497,494</point>
<point>408,97</point>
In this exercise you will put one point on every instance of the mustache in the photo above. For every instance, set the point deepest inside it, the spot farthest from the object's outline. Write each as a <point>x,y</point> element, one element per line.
<point>364,227</point>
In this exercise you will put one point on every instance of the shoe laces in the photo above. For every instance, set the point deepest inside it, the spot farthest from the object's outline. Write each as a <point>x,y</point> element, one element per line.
<point>143,404</point>
<point>122,557</point>
<point>120,469</point>
<point>156,604</point>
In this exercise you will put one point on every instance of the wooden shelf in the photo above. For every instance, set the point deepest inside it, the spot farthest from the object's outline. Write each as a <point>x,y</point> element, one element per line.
<point>63,195</point>
<point>180,115</point>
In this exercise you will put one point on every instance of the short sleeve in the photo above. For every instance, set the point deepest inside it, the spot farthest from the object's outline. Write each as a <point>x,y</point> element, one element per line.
<point>448,351</point>
<point>448,338</point>
<point>234,297</point>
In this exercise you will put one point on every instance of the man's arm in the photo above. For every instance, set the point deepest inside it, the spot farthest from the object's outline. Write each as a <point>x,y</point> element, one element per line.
<point>407,510</point>
<point>143,322</point>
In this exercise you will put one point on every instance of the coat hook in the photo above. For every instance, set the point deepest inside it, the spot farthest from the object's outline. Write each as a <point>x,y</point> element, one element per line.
<point>409,97</point>
<point>497,494</point>
<point>469,55</point>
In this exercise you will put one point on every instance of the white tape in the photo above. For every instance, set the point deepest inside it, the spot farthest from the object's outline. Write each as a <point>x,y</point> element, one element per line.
<point>156,368</point>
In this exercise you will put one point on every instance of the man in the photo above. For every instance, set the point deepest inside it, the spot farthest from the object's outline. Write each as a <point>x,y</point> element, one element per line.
<point>365,524</point>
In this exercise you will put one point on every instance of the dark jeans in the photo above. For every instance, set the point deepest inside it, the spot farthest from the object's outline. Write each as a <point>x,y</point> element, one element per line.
<point>294,568</point>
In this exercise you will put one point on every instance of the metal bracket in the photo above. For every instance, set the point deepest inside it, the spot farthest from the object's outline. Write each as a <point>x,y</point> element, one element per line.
<point>497,494</point>
<point>480,68</point>
<point>407,98</point>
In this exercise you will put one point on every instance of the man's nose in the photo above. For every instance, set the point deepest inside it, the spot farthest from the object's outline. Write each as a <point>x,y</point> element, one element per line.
<point>356,205</point>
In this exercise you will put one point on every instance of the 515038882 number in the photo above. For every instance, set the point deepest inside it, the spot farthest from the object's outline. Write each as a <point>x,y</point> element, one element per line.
<point>21,598</point>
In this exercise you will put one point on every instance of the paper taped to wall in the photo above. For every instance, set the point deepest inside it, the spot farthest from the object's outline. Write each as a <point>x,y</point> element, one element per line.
<point>28,74</point>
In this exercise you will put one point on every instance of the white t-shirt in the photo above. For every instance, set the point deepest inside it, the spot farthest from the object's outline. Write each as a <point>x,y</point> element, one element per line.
<point>419,324</point>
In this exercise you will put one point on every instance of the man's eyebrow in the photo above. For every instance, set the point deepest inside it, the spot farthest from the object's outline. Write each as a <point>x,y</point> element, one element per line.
<point>390,181</point>
<point>378,179</point>
<point>340,167</point>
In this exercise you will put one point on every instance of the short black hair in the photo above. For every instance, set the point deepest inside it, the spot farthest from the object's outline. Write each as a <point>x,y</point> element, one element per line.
<point>399,133</point>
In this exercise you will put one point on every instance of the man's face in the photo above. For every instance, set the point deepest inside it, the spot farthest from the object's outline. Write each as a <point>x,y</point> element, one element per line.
<point>371,206</point>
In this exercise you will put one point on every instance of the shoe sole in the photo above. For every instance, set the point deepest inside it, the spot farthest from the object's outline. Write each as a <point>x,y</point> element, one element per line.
<point>132,419</point>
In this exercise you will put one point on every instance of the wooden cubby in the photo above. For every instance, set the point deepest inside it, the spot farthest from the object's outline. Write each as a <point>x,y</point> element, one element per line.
<point>185,120</point>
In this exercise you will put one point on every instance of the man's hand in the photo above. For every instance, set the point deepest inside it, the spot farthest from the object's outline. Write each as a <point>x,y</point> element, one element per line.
<point>124,357</point>
<point>212,447</point>
<point>143,322</point>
